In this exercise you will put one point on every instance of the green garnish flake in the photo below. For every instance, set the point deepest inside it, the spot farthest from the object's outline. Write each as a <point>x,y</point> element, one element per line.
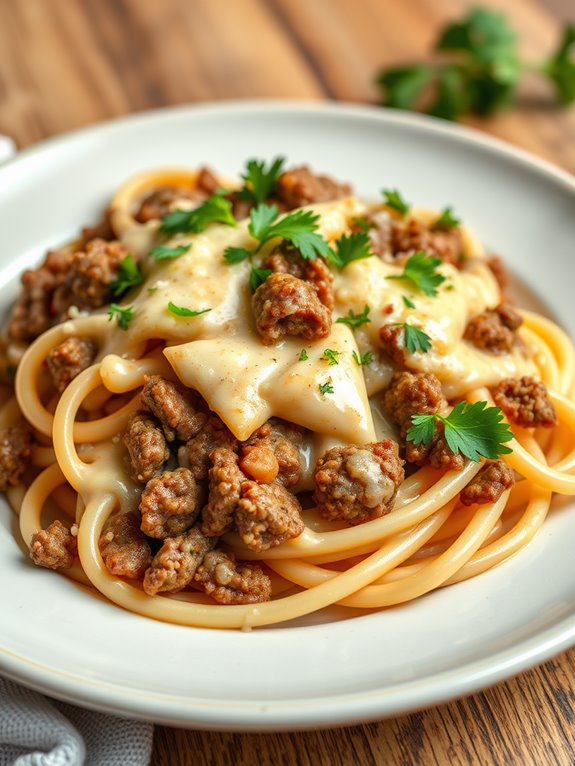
<point>152,290</point>
<point>416,339</point>
<point>408,303</point>
<point>163,253</point>
<point>361,224</point>
<point>303,355</point>
<point>446,220</point>
<point>260,181</point>
<point>474,430</point>
<point>326,388</point>
<point>258,277</point>
<point>129,275</point>
<point>216,209</point>
<point>395,201</point>
<point>123,315</point>
<point>182,311</point>
<point>364,359</point>
<point>331,356</point>
<point>350,247</point>
<point>421,270</point>
<point>353,320</point>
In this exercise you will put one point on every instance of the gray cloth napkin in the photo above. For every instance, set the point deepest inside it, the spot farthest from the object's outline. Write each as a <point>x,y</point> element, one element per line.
<point>38,731</point>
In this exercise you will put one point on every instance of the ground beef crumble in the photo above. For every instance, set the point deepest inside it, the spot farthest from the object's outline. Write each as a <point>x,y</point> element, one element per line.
<point>283,439</point>
<point>231,582</point>
<point>286,259</point>
<point>195,454</point>
<point>67,360</point>
<point>175,564</point>
<point>495,331</point>
<point>267,515</point>
<point>160,201</point>
<point>489,484</point>
<point>54,547</point>
<point>299,186</point>
<point>525,402</point>
<point>146,446</point>
<point>179,410</point>
<point>392,339</point>
<point>170,504</point>
<point>358,483</point>
<point>15,454</point>
<point>225,486</point>
<point>124,548</point>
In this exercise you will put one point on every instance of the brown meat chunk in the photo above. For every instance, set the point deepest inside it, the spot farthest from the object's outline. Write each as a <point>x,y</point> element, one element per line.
<point>286,259</point>
<point>195,455</point>
<point>15,454</point>
<point>177,408</point>
<point>267,515</point>
<point>231,582</point>
<point>146,446</point>
<point>489,484</point>
<point>260,464</point>
<point>285,305</point>
<point>69,359</point>
<point>124,548</point>
<point>170,504</point>
<point>224,493</point>
<point>161,200</point>
<point>498,270</point>
<point>101,230</point>
<point>174,565</point>
<point>54,547</point>
<point>300,186</point>
<point>392,338</point>
<point>283,439</point>
<point>525,402</point>
<point>357,484</point>
<point>494,331</point>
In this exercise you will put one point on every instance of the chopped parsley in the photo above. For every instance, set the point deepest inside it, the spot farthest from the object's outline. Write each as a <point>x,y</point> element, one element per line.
<point>162,252</point>
<point>303,355</point>
<point>353,320</point>
<point>446,220</point>
<point>350,247</point>
<point>361,223</point>
<point>216,209</point>
<point>408,303</point>
<point>326,388</point>
<point>475,430</point>
<point>129,275</point>
<point>182,311</point>
<point>258,277</point>
<point>364,359</point>
<point>260,181</point>
<point>152,289</point>
<point>394,200</point>
<point>416,339</point>
<point>421,270</point>
<point>330,356</point>
<point>123,314</point>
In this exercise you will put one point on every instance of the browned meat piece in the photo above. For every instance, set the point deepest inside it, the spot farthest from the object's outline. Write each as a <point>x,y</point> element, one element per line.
<point>392,337</point>
<point>283,439</point>
<point>195,455</point>
<point>230,582</point>
<point>69,359</point>
<point>101,230</point>
<point>170,504</point>
<point>174,565</point>
<point>91,271</point>
<point>285,305</point>
<point>489,484</point>
<point>54,547</point>
<point>267,515</point>
<point>299,186</point>
<point>177,408</point>
<point>499,270</point>
<point>15,454</point>
<point>357,484</point>
<point>160,201</point>
<point>260,464</point>
<point>494,331</point>
<point>286,259</point>
<point>525,402</point>
<point>124,548</point>
<point>146,446</point>
<point>225,484</point>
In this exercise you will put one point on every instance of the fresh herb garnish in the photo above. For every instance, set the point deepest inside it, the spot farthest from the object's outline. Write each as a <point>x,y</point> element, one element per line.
<point>395,201</point>
<point>350,247</point>
<point>129,275</point>
<point>123,314</point>
<point>446,220</point>
<point>416,339</point>
<point>162,252</point>
<point>303,355</point>
<point>560,67</point>
<point>152,289</point>
<point>475,430</point>
<point>353,320</point>
<point>361,223</point>
<point>364,359</point>
<point>182,311</point>
<point>330,356</point>
<point>421,270</point>
<point>258,277</point>
<point>408,302</point>
<point>260,181</point>
<point>326,388</point>
<point>216,209</point>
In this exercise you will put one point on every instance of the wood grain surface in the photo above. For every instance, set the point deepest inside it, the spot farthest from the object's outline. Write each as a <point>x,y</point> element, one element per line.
<point>67,63</point>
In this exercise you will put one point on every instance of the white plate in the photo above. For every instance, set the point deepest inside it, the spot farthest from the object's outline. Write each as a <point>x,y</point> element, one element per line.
<point>56,637</point>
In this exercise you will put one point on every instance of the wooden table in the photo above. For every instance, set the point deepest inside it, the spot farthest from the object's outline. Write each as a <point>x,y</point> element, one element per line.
<point>67,63</point>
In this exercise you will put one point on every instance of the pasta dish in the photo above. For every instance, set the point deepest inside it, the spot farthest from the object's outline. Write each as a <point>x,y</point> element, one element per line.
<point>231,404</point>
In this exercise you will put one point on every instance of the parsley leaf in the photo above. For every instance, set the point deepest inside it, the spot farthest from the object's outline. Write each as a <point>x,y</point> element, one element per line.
<point>182,311</point>
<point>353,320</point>
<point>416,339</point>
<point>162,252</point>
<point>350,247</point>
<point>408,303</point>
<point>258,277</point>
<point>216,209</point>
<point>560,67</point>
<point>123,314</point>
<point>421,270</point>
<point>303,355</point>
<point>330,356</point>
<point>326,388</point>
<point>446,220</point>
<point>394,200</point>
<point>299,228</point>
<point>236,254</point>
<point>129,275</point>
<point>260,181</point>
<point>364,359</point>
<point>475,430</point>
<point>359,223</point>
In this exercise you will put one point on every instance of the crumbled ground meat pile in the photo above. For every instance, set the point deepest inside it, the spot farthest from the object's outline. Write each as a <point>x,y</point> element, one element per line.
<point>286,259</point>
<point>69,359</point>
<point>146,445</point>
<point>15,454</point>
<point>267,515</point>
<point>225,487</point>
<point>282,440</point>
<point>228,582</point>
<point>412,394</point>
<point>170,504</point>
<point>358,484</point>
<point>54,547</point>
<point>160,201</point>
<point>101,230</point>
<point>394,240</point>
<point>525,402</point>
<point>495,331</point>
<point>299,186</point>
<point>392,339</point>
<point>489,484</point>
<point>124,548</point>
<point>195,454</point>
<point>177,409</point>
<point>285,305</point>
<point>175,564</point>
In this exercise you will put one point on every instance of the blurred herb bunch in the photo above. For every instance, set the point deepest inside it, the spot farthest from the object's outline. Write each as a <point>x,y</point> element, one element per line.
<point>479,72</point>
